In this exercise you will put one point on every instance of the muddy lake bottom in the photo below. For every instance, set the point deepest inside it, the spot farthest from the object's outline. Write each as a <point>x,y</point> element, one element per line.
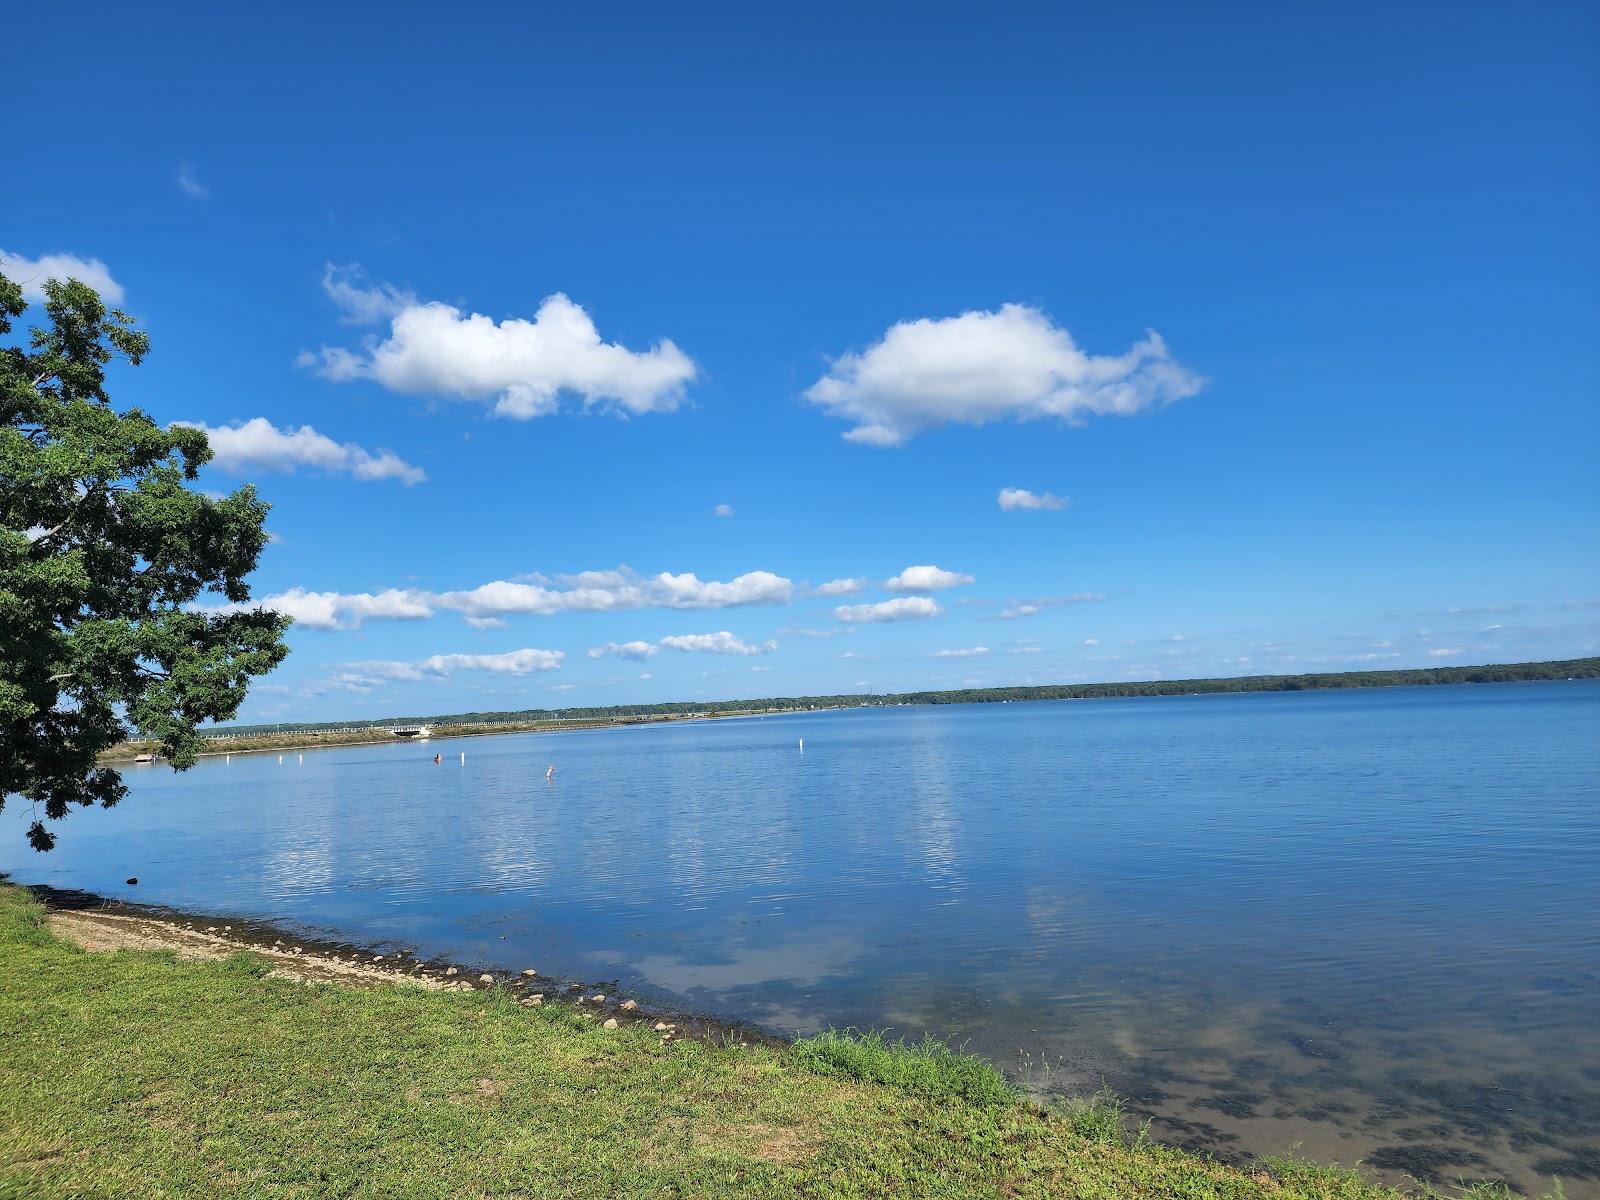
<point>1362,923</point>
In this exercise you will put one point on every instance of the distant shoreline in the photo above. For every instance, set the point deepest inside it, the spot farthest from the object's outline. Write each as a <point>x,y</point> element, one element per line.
<point>258,739</point>
<point>380,735</point>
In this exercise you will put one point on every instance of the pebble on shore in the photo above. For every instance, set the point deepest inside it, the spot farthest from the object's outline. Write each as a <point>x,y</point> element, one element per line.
<point>611,1023</point>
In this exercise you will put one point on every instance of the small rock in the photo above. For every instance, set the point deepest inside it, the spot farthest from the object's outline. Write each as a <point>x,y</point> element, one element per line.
<point>211,928</point>
<point>485,978</point>
<point>611,1023</point>
<point>662,1027</point>
<point>598,999</point>
<point>532,1001</point>
<point>375,958</point>
<point>451,971</point>
<point>630,1006</point>
<point>529,973</point>
<point>297,949</point>
<point>133,881</point>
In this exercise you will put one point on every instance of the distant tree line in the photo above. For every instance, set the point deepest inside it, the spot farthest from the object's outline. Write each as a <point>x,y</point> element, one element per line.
<point>1571,668</point>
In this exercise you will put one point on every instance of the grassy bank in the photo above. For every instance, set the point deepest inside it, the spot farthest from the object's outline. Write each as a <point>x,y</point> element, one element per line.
<point>133,1074</point>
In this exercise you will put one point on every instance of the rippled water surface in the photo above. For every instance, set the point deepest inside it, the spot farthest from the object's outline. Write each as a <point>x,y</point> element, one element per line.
<point>1364,922</point>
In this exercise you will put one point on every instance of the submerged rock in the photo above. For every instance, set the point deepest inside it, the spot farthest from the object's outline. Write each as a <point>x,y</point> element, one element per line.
<point>630,1006</point>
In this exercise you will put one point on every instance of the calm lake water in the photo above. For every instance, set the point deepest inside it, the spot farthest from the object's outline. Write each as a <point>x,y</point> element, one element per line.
<point>1366,922</point>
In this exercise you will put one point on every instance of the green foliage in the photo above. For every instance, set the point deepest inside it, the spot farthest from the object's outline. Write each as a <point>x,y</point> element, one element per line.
<point>928,1068</point>
<point>1102,1119</point>
<point>104,547</point>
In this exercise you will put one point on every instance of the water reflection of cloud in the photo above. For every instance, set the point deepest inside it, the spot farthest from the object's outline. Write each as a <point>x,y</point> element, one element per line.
<point>937,831</point>
<point>803,963</point>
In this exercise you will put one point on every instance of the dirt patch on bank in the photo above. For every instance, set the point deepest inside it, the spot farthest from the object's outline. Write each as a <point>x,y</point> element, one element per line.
<point>102,931</point>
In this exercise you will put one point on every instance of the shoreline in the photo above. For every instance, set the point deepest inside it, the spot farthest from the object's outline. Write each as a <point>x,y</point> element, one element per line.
<point>127,753</point>
<point>318,958</point>
<point>682,1055</point>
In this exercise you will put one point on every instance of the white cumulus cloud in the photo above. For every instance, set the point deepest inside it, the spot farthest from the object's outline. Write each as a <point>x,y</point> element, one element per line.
<point>337,610</point>
<point>521,365</point>
<point>605,591</point>
<point>840,587</point>
<point>638,651</point>
<point>925,579</point>
<point>30,274</point>
<point>257,444</point>
<point>987,366</point>
<point>903,608</point>
<point>1021,499</point>
<point>487,606</point>
<point>723,510</point>
<point>722,642</point>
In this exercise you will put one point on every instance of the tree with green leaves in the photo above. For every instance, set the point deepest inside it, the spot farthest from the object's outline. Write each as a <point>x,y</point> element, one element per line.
<point>105,548</point>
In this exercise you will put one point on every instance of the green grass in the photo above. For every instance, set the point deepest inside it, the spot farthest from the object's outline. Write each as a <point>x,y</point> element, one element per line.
<point>134,1075</point>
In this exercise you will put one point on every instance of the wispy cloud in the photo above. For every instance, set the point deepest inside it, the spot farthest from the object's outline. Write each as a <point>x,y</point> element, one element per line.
<point>1029,608</point>
<point>1020,500</point>
<point>189,183</point>
<point>372,674</point>
<point>970,652</point>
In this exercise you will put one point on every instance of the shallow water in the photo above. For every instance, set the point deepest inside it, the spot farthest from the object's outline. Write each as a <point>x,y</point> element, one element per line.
<point>1364,922</point>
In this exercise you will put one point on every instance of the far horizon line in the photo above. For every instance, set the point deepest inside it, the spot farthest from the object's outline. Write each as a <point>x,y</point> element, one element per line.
<point>1589,667</point>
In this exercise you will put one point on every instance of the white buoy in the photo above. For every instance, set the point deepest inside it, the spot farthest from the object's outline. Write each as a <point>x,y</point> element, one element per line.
<point>463,758</point>
<point>302,760</point>
<point>802,743</point>
<point>227,759</point>
<point>280,760</point>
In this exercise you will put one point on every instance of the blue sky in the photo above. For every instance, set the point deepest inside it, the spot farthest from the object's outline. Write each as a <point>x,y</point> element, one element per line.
<point>1364,236</point>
